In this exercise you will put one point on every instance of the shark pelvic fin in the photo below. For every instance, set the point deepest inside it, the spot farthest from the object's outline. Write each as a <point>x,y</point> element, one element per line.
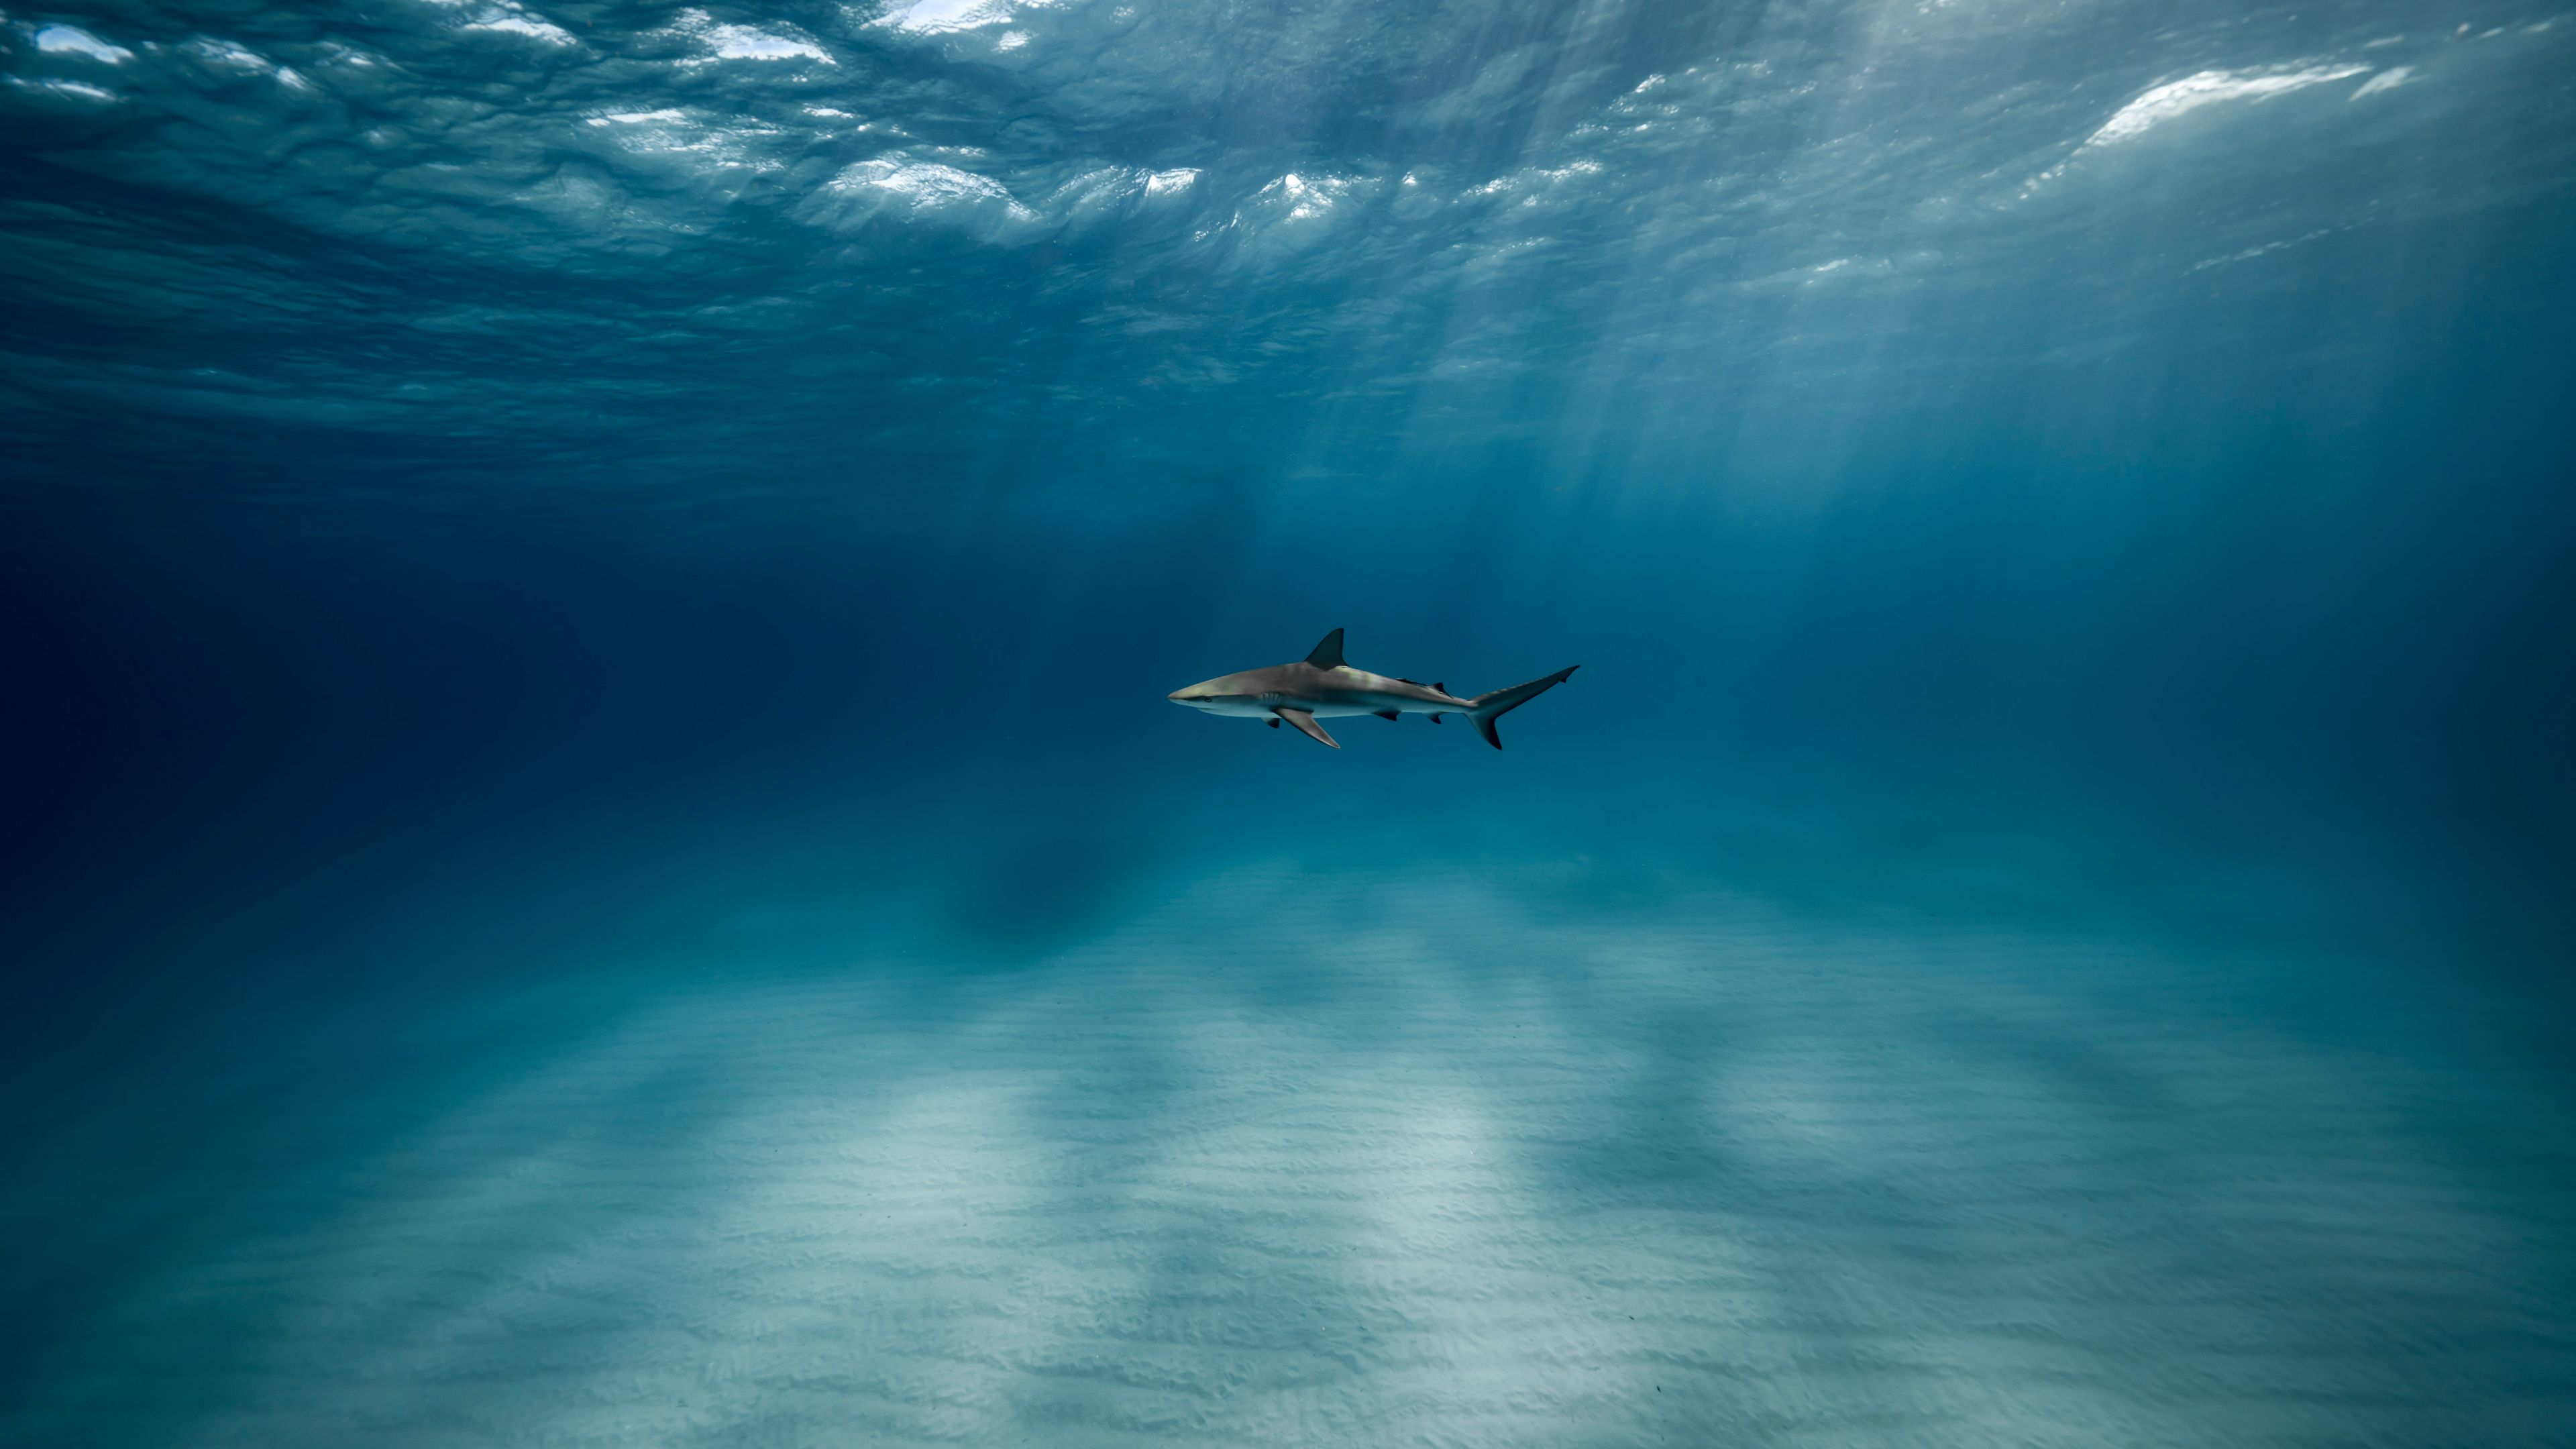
<point>1304,721</point>
<point>1388,714</point>
<point>1328,655</point>
<point>1435,719</point>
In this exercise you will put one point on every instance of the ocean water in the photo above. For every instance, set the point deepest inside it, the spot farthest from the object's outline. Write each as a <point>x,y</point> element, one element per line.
<point>592,850</point>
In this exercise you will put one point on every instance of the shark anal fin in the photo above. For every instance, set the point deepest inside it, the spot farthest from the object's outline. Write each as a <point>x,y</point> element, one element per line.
<point>1388,714</point>
<point>1328,655</point>
<point>1304,721</point>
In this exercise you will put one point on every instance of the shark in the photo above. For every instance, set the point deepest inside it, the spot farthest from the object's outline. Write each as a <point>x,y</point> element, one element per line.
<point>1322,686</point>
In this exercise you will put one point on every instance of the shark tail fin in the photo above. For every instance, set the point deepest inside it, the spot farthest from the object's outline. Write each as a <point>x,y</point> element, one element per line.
<point>1484,709</point>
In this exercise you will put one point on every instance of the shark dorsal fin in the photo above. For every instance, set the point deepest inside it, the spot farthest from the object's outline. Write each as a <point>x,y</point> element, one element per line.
<point>1328,655</point>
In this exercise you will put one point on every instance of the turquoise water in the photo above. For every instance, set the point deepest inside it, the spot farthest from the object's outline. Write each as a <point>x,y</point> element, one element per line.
<point>595,852</point>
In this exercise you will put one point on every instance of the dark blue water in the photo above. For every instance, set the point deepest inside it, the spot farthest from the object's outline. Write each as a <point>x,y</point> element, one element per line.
<point>594,852</point>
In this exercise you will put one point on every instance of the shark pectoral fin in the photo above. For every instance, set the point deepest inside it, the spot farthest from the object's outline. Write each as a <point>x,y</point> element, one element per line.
<point>1274,721</point>
<point>1304,721</point>
<point>1388,714</point>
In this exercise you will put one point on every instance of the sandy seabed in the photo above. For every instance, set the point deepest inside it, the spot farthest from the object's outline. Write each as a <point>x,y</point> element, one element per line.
<point>1297,1159</point>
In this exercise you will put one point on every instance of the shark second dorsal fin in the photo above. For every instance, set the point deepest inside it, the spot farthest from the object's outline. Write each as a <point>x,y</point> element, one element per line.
<point>1328,655</point>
